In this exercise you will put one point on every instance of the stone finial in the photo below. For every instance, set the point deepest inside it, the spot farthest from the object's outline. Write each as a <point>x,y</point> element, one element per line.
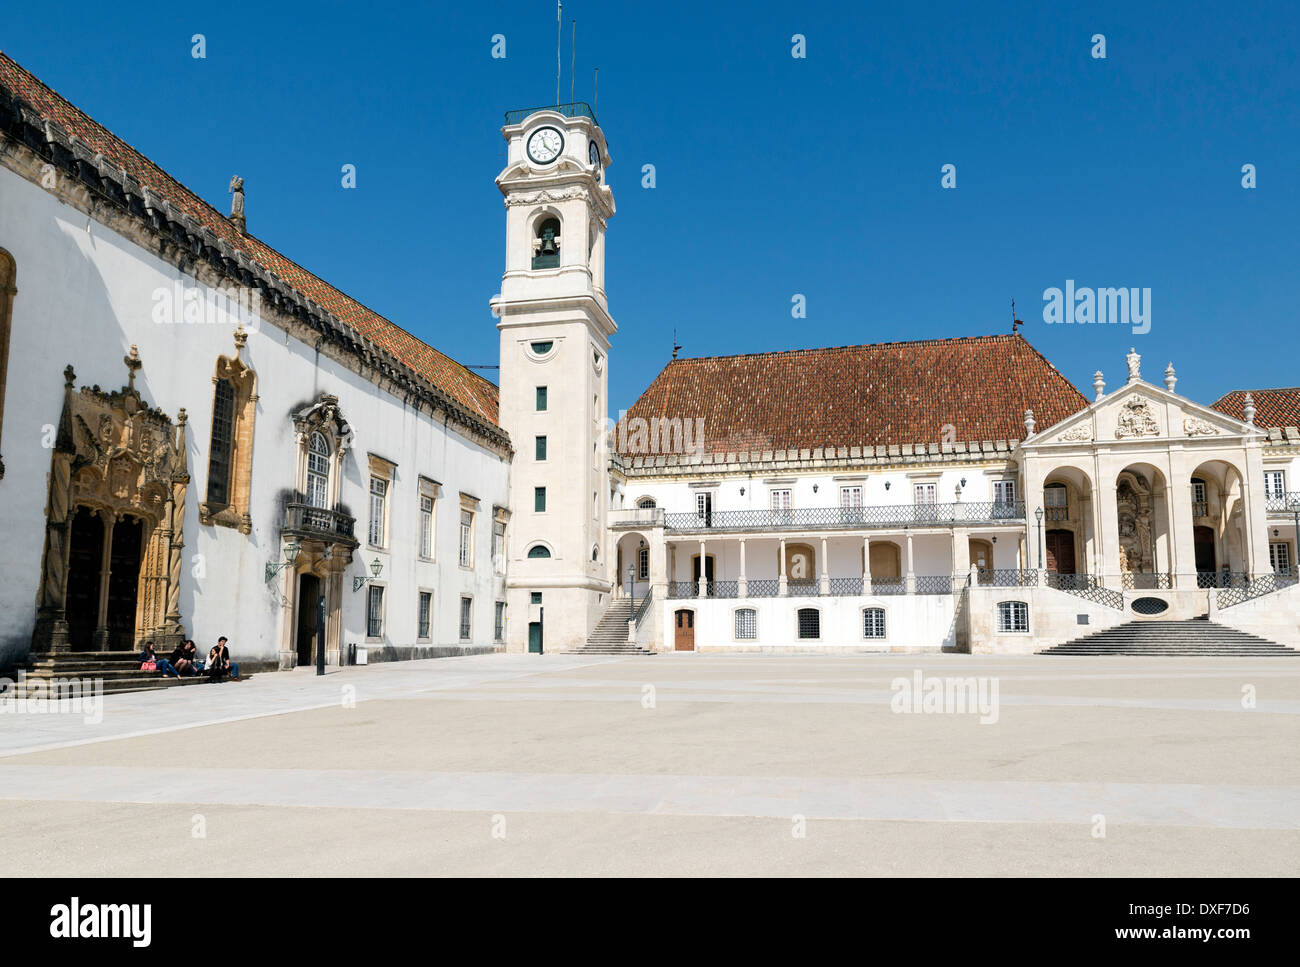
<point>1248,409</point>
<point>1099,384</point>
<point>1170,378</point>
<point>1029,422</point>
<point>237,203</point>
<point>1134,365</point>
<point>133,365</point>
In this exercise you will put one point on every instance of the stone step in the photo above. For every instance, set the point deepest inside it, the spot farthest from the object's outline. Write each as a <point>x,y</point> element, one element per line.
<point>1196,637</point>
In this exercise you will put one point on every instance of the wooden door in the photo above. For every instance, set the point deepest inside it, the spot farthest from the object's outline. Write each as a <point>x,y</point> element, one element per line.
<point>1060,551</point>
<point>684,639</point>
<point>1203,538</point>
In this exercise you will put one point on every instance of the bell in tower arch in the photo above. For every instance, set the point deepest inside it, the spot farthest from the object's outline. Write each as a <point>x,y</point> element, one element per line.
<point>546,246</point>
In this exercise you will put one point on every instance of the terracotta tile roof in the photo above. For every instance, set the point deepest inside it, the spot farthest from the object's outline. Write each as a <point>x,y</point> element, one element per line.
<point>1273,407</point>
<point>874,395</point>
<point>464,386</point>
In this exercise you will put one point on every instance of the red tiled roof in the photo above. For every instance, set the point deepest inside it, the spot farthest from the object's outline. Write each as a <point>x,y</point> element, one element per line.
<point>463,385</point>
<point>887,393</point>
<point>1273,407</point>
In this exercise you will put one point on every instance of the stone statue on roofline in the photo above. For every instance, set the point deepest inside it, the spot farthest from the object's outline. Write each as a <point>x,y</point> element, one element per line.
<point>237,202</point>
<point>1134,363</point>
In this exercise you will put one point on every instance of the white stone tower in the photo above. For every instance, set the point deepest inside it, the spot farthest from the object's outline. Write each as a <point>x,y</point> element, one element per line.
<point>555,329</point>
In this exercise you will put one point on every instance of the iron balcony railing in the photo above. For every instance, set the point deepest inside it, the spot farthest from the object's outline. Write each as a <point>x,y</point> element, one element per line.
<point>320,523</point>
<point>1282,503</point>
<point>1007,577</point>
<point>1143,581</point>
<point>1222,579</point>
<point>1087,587</point>
<point>847,518</point>
<point>574,109</point>
<point>837,587</point>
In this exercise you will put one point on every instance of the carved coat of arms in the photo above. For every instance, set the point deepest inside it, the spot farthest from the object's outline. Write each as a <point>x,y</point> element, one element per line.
<point>1136,420</point>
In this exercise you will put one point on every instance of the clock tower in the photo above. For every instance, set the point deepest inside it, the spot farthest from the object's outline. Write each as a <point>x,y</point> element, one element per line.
<point>555,331</point>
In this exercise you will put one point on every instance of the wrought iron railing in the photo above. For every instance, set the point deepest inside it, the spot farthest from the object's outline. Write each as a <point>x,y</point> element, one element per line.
<point>934,584</point>
<point>724,589</point>
<point>1008,577</point>
<point>884,515</point>
<point>574,109</point>
<point>643,608</point>
<point>762,588</point>
<point>1221,579</point>
<point>300,518</point>
<point>888,586</point>
<point>1143,581</point>
<point>1087,587</point>
<point>801,589</point>
<point>1257,587</point>
<point>1069,582</point>
<point>842,587</point>
<point>1282,503</point>
<point>683,589</point>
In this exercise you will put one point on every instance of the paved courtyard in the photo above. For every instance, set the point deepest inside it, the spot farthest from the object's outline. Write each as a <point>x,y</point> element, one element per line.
<point>672,764</point>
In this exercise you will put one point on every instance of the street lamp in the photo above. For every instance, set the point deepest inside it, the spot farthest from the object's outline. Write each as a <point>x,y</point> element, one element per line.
<point>360,582</point>
<point>1038,515</point>
<point>631,574</point>
<point>291,552</point>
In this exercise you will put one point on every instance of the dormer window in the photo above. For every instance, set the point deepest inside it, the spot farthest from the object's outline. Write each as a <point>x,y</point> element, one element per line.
<point>546,246</point>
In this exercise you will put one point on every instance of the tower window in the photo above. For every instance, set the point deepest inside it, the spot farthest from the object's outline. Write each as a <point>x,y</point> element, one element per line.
<point>546,246</point>
<point>539,451</point>
<point>542,348</point>
<point>539,499</point>
<point>541,399</point>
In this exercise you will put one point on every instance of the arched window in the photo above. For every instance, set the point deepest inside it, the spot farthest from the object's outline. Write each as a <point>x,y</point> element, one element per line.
<point>595,553</point>
<point>810,623</point>
<point>318,471</point>
<point>873,623</point>
<point>8,275</point>
<point>646,503</point>
<point>222,442</point>
<point>539,551</point>
<point>746,624</point>
<point>546,246</point>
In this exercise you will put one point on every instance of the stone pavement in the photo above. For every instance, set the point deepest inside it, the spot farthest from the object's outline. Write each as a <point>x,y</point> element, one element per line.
<point>691,764</point>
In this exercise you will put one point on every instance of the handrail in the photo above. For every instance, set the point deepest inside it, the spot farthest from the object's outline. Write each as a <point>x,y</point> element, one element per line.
<point>879,515</point>
<point>643,607</point>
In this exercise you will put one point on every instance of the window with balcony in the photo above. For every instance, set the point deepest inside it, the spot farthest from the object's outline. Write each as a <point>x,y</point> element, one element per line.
<point>423,615</point>
<point>1056,502</point>
<point>746,624</point>
<point>873,623</point>
<point>318,471</point>
<point>1200,501</point>
<point>1275,485</point>
<point>704,507</point>
<point>851,498</point>
<point>1013,617</point>
<point>780,502</point>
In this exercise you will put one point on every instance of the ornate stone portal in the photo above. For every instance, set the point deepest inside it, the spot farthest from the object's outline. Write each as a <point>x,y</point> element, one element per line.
<point>1133,507</point>
<point>115,513</point>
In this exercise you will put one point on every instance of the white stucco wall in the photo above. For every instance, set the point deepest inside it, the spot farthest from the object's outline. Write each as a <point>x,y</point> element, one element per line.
<point>84,297</point>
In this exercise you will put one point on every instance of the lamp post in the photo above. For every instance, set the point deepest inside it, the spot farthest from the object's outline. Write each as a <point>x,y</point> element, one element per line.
<point>376,566</point>
<point>631,574</point>
<point>1038,515</point>
<point>320,636</point>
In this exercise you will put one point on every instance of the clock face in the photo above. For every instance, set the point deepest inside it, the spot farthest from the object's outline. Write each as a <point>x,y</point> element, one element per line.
<point>593,152</point>
<point>545,145</point>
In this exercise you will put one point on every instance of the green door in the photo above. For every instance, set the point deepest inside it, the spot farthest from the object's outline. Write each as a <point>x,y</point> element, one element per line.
<point>535,638</point>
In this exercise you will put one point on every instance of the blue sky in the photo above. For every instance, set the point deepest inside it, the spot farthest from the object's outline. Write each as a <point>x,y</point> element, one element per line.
<point>775,175</point>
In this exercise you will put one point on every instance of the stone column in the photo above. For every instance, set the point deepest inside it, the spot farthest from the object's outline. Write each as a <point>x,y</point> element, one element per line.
<point>960,555</point>
<point>866,564</point>
<point>824,575</point>
<point>910,580</point>
<point>1109,516</point>
<point>742,582</point>
<point>704,581</point>
<point>100,639</point>
<point>782,586</point>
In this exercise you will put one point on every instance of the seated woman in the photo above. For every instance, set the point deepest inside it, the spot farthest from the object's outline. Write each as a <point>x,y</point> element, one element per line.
<point>180,662</point>
<point>149,657</point>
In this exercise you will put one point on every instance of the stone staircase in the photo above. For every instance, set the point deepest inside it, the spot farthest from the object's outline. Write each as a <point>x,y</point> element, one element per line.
<point>1197,637</point>
<point>118,670</point>
<point>610,635</point>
